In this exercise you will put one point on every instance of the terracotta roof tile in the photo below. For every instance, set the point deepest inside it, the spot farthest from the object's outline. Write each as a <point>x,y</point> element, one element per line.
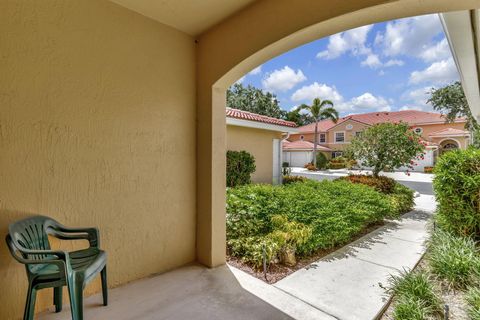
<point>302,145</point>
<point>449,131</point>
<point>245,115</point>
<point>412,117</point>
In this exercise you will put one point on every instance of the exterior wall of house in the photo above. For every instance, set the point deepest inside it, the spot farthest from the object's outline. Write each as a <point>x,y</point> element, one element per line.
<point>358,127</point>
<point>97,128</point>
<point>259,143</point>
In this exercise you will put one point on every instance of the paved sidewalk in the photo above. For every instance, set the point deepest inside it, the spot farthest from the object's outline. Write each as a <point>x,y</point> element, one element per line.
<point>348,283</point>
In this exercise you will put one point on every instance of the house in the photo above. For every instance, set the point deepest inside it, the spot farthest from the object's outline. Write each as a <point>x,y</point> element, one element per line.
<point>335,137</point>
<point>113,115</point>
<point>261,136</point>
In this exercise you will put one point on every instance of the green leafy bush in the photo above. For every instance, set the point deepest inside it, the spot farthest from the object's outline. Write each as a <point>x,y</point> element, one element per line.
<point>400,197</point>
<point>291,179</point>
<point>321,160</point>
<point>415,286</point>
<point>240,166</point>
<point>453,259</point>
<point>334,212</point>
<point>457,189</point>
<point>473,300</point>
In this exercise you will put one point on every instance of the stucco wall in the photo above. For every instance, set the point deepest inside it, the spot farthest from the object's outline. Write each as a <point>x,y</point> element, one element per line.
<point>97,128</point>
<point>260,144</point>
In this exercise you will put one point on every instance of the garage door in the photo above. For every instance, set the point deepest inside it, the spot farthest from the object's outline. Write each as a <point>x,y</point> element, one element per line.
<point>297,159</point>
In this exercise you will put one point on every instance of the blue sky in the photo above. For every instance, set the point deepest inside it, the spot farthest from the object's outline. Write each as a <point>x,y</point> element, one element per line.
<point>387,66</point>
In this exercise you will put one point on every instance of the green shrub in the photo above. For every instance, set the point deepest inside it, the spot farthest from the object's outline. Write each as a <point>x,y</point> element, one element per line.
<point>400,197</point>
<point>401,200</point>
<point>473,301</point>
<point>410,309</point>
<point>240,166</point>
<point>333,211</point>
<point>336,165</point>
<point>457,185</point>
<point>415,286</point>
<point>291,179</point>
<point>285,164</point>
<point>453,259</point>
<point>321,160</point>
<point>382,184</point>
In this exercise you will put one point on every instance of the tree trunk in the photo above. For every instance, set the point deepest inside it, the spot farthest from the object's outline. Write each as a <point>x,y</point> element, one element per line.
<point>315,137</point>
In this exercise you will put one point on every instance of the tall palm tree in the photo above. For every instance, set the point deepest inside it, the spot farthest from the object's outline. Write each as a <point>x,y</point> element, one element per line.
<point>319,110</point>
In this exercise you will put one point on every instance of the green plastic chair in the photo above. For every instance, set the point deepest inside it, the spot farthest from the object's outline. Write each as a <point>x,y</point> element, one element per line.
<point>28,242</point>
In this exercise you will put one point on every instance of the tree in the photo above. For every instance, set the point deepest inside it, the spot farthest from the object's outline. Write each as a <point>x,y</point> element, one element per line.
<point>387,146</point>
<point>254,100</point>
<point>300,119</point>
<point>450,101</point>
<point>319,110</point>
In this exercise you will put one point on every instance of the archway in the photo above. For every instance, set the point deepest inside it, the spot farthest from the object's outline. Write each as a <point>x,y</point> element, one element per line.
<point>261,31</point>
<point>449,145</point>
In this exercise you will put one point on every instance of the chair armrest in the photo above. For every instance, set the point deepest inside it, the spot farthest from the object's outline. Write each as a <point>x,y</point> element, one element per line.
<point>68,233</point>
<point>62,256</point>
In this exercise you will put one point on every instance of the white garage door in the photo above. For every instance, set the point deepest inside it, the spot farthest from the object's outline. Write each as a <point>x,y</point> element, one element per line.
<point>297,159</point>
<point>421,164</point>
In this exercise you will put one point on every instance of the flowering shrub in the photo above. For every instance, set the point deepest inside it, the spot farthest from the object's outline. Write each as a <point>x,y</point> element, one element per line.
<point>387,146</point>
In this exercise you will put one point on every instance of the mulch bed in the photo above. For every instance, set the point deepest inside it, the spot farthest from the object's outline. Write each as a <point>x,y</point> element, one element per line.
<point>277,272</point>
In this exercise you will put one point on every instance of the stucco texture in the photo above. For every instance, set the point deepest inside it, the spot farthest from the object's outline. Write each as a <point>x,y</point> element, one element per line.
<point>257,142</point>
<point>97,105</point>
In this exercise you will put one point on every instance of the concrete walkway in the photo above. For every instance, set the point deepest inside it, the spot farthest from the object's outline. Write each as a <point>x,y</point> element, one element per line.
<point>348,284</point>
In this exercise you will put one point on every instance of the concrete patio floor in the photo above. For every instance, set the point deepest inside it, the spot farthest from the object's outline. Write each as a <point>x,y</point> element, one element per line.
<point>195,292</point>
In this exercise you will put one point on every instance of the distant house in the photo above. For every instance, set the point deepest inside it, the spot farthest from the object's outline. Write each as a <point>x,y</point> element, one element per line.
<point>262,137</point>
<point>334,137</point>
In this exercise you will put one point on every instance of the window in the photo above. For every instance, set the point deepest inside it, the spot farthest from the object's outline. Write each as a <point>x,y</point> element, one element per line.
<point>336,154</point>
<point>322,138</point>
<point>358,133</point>
<point>418,130</point>
<point>339,136</point>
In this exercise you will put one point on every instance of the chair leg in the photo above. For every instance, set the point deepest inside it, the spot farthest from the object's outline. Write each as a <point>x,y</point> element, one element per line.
<point>75,291</point>
<point>30,303</point>
<point>103,274</point>
<point>57,298</point>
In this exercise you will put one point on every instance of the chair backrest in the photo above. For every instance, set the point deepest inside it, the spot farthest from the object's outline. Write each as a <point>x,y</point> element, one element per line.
<point>32,233</point>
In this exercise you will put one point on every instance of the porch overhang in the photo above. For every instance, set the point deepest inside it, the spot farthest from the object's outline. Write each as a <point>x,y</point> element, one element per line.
<point>462,31</point>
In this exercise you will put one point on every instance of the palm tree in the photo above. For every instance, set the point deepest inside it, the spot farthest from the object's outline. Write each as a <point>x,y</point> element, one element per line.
<point>319,110</point>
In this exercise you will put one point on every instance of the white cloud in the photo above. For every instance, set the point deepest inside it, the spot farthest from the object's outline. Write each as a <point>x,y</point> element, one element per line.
<point>256,71</point>
<point>393,62</point>
<point>352,41</point>
<point>372,61</point>
<point>439,51</point>
<point>440,72</point>
<point>368,101</point>
<point>362,103</point>
<point>317,90</point>
<point>416,99</point>
<point>381,73</point>
<point>283,79</point>
<point>410,36</point>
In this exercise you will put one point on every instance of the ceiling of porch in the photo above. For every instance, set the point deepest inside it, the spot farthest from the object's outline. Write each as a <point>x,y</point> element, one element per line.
<point>192,17</point>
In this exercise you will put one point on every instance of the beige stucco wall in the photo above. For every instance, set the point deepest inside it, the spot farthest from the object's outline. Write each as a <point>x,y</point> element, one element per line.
<point>97,128</point>
<point>259,143</point>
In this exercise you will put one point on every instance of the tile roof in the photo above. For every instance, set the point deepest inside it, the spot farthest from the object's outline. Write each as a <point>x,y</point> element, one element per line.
<point>412,117</point>
<point>302,145</point>
<point>245,115</point>
<point>449,131</point>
